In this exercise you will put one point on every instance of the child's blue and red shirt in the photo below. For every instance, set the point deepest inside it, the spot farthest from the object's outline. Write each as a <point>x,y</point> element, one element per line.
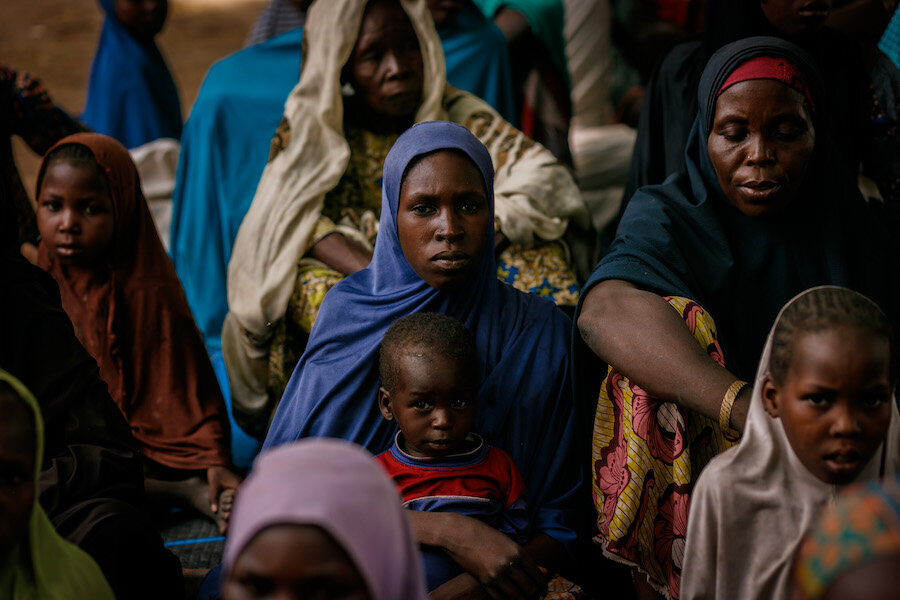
<point>482,483</point>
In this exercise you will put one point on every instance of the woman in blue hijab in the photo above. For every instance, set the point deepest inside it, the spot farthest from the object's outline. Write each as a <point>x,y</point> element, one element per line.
<point>764,209</point>
<point>524,404</point>
<point>132,96</point>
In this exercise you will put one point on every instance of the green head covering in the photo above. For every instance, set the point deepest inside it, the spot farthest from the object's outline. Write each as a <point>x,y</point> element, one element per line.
<point>46,566</point>
<point>861,527</point>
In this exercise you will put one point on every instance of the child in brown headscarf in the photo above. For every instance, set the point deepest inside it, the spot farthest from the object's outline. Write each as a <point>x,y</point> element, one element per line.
<point>129,311</point>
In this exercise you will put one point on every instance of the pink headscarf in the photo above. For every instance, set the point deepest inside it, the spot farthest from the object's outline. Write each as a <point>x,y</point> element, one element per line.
<point>337,486</point>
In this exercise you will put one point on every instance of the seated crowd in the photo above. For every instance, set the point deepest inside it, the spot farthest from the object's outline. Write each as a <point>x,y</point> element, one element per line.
<point>392,279</point>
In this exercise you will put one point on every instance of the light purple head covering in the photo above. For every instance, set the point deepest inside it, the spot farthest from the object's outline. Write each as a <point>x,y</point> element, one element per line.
<point>337,486</point>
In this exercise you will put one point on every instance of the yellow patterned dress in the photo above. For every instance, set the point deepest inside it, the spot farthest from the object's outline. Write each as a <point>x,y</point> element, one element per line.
<point>541,268</point>
<point>646,456</point>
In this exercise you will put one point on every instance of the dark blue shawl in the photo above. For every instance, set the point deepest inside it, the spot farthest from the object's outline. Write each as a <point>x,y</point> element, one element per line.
<point>525,405</point>
<point>132,96</point>
<point>685,238</point>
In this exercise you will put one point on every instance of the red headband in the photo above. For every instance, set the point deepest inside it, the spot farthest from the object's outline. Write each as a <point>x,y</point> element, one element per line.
<point>769,67</point>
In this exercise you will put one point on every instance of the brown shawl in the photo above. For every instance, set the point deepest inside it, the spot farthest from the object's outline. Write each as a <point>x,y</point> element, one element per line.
<point>133,318</point>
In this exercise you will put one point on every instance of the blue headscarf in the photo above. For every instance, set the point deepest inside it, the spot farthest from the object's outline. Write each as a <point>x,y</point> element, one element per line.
<point>685,238</point>
<point>524,404</point>
<point>132,96</point>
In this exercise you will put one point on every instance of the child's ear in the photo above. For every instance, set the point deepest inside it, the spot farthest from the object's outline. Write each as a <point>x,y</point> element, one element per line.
<point>384,404</point>
<point>771,396</point>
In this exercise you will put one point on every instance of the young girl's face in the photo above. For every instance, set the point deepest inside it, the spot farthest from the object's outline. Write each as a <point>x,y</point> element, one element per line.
<point>17,455</point>
<point>835,401</point>
<point>294,561</point>
<point>75,213</point>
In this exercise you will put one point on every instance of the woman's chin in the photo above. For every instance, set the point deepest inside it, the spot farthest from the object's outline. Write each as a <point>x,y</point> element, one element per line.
<point>760,207</point>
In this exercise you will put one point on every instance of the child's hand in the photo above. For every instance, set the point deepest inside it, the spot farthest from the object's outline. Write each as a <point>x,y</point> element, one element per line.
<point>220,479</point>
<point>499,563</point>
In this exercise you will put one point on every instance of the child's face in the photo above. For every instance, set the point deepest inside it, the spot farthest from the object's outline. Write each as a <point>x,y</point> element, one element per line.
<point>75,213</point>
<point>17,452</point>
<point>433,402</point>
<point>835,402</point>
<point>294,561</point>
<point>143,19</point>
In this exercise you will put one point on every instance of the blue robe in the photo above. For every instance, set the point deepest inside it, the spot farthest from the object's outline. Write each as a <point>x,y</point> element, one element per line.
<point>524,402</point>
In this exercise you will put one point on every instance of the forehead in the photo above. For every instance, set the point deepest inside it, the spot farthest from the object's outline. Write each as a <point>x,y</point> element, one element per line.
<point>443,171</point>
<point>760,99</point>
<point>17,430</point>
<point>384,19</point>
<point>841,350</point>
<point>78,176</point>
<point>419,365</point>
<point>293,552</point>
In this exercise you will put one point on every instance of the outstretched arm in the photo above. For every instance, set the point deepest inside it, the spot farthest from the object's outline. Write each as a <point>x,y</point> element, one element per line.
<point>639,333</point>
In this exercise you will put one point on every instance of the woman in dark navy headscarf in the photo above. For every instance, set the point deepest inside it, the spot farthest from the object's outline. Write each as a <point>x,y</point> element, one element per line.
<point>670,103</point>
<point>764,209</point>
<point>447,266</point>
<point>132,96</point>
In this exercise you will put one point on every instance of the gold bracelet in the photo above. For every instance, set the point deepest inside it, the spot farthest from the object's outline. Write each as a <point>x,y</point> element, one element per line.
<point>731,434</point>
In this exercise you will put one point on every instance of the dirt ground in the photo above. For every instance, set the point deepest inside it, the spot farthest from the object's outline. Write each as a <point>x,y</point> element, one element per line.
<point>55,40</point>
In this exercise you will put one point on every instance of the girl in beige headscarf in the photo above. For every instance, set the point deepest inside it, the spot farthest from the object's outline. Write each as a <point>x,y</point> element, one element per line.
<point>822,416</point>
<point>370,70</point>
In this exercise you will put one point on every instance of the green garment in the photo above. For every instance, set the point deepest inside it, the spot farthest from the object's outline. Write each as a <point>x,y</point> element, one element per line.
<point>45,566</point>
<point>546,19</point>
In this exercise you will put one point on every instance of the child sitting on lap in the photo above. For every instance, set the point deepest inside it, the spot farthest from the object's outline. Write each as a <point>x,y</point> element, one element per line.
<point>822,416</point>
<point>429,387</point>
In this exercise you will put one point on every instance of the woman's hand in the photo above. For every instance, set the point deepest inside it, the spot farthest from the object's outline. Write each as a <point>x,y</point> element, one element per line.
<point>341,254</point>
<point>741,407</point>
<point>501,566</point>
<point>505,571</point>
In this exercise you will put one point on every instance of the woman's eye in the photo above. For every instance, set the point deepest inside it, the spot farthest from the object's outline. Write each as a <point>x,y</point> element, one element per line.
<point>470,207</point>
<point>51,205</point>
<point>787,135</point>
<point>94,209</point>
<point>422,209</point>
<point>734,135</point>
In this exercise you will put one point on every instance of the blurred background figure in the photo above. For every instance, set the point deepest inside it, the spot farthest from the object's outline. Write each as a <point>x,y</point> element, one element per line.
<point>132,96</point>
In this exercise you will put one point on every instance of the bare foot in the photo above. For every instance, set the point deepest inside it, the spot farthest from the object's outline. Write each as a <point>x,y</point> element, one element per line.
<point>226,502</point>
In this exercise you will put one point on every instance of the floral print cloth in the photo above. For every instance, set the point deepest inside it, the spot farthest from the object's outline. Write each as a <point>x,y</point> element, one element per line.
<point>646,456</point>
